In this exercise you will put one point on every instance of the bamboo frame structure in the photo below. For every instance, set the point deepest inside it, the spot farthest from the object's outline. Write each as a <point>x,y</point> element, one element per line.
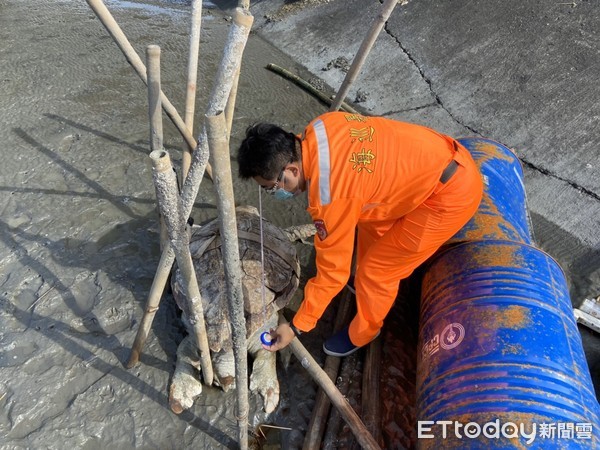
<point>134,60</point>
<point>175,208</point>
<point>363,52</point>
<point>238,35</point>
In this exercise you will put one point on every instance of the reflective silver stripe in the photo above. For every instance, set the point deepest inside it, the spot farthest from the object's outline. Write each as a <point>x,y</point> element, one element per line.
<point>324,167</point>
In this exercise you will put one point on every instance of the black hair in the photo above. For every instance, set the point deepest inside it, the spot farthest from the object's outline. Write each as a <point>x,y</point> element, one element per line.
<point>265,151</point>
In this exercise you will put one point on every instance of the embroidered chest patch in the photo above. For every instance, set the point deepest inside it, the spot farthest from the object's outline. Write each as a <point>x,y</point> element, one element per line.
<point>363,159</point>
<point>321,229</point>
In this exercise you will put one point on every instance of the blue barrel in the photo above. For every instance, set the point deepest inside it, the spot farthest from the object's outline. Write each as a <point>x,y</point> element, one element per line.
<point>502,213</point>
<point>499,345</point>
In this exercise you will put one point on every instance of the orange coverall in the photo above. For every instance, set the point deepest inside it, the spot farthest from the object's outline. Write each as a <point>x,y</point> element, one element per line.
<point>381,177</point>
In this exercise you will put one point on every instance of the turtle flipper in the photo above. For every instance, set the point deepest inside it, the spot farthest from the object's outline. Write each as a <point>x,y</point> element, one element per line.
<point>264,379</point>
<point>300,232</point>
<point>186,385</point>
<point>264,370</point>
<point>224,367</point>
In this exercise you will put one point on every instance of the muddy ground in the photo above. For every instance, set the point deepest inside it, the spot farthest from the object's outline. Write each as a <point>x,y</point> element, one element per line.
<point>79,230</point>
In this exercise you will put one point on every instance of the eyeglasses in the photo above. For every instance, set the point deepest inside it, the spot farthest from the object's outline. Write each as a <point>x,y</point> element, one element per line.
<point>273,189</point>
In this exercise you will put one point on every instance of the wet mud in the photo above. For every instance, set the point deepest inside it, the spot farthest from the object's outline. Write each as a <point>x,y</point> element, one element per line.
<point>80,242</point>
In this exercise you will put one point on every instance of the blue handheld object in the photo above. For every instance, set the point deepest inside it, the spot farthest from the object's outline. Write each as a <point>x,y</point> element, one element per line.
<point>266,338</point>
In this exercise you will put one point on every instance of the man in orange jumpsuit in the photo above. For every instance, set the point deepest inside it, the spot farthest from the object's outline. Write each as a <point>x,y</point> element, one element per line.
<point>405,188</point>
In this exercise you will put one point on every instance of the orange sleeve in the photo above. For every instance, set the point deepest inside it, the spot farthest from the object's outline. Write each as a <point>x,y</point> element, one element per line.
<point>334,257</point>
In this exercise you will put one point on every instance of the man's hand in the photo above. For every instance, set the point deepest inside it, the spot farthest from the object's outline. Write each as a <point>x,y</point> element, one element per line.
<point>280,337</point>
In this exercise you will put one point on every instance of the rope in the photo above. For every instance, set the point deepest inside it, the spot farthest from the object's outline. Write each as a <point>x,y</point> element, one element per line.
<point>262,258</point>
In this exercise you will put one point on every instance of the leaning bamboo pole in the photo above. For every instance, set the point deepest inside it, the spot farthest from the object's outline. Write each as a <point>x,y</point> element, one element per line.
<point>134,60</point>
<point>307,87</point>
<point>232,58</point>
<point>192,78</point>
<point>156,143</point>
<point>230,107</point>
<point>358,428</point>
<point>218,141</point>
<point>238,35</point>
<point>363,52</point>
<point>165,183</point>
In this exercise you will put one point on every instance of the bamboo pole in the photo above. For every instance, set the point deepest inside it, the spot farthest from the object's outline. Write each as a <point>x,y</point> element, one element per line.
<point>232,57</point>
<point>344,383</point>
<point>307,86</point>
<point>155,118</point>
<point>230,107</point>
<point>154,103</point>
<point>363,52</point>
<point>134,60</point>
<point>358,428</point>
<point>238,35</point>
<point>218,139</point>
<point>165,183</point>
<point>318,421</point>
<point>192,77</point>
<point>156,143</point>
<point>156,291</point>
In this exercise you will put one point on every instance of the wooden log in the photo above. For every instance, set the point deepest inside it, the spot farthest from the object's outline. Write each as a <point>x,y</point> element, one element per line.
<point>363,52</point>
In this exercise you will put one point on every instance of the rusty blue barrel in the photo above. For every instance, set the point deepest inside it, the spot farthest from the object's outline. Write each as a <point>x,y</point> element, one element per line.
<point>501,362</point>
<point>503,212</point>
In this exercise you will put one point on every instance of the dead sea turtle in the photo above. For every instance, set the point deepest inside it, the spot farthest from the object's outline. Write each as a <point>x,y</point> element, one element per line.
<point>282,272</point>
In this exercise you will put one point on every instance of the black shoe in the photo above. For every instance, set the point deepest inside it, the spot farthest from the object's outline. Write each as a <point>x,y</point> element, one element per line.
<point>339,344</point>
